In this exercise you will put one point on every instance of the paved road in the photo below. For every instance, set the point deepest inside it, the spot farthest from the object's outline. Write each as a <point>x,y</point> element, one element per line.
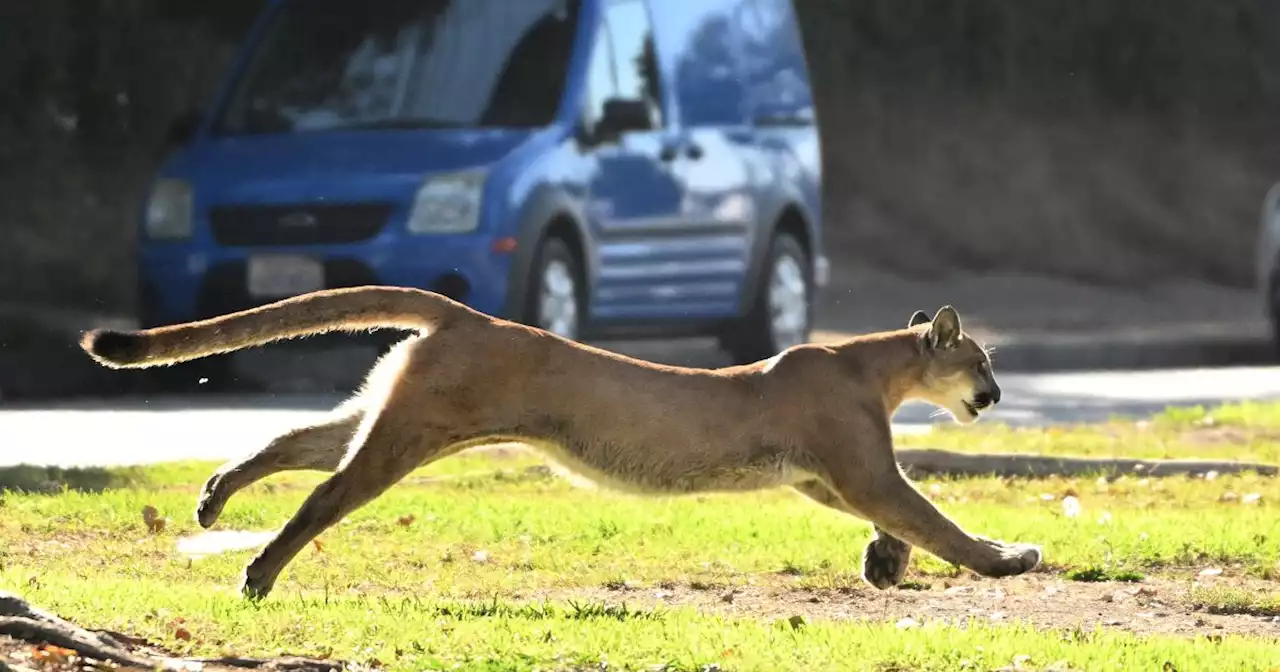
<point>137,432</point>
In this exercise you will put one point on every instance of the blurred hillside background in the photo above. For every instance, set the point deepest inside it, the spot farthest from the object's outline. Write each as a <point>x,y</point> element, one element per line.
<point>1115,143</point>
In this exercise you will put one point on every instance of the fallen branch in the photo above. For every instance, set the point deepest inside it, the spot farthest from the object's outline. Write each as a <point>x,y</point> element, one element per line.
<point>67,636</point>
<point>21,621</point>
<point>935,462</point>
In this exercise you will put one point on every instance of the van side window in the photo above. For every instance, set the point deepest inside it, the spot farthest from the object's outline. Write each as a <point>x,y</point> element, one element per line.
<point>624,64</point>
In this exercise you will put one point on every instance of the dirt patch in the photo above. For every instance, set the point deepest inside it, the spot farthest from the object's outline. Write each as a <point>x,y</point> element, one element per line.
<point>1154,606</point>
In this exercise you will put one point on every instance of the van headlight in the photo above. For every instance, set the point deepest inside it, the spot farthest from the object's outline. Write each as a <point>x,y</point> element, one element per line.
<point>448,203</point>
<point>169,210</point>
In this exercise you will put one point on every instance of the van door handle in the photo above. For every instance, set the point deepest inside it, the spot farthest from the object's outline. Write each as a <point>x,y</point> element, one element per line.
<point>668,152</point>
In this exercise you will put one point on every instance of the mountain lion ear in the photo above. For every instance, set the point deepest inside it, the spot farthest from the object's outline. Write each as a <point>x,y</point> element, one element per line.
<point>918,318</point>
<point>944,332</point>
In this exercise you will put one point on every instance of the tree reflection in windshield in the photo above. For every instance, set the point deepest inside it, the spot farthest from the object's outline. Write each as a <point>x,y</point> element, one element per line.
<point>385,64</point>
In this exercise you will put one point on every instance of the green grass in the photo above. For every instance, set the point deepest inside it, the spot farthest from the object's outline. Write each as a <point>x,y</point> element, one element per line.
<point>1096,574</point>
<point>1231,600</point>
<point>414,597</point>
<point>1247,431</point>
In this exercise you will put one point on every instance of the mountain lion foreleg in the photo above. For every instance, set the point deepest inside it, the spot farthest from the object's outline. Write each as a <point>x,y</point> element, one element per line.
<point>885,558</point>
<point>320,447</point>
<point>873,484</point>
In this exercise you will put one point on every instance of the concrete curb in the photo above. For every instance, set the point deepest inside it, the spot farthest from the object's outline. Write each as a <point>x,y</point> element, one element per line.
<point>1203,347</point>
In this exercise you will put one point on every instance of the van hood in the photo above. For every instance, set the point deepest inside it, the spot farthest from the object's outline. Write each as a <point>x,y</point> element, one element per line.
<point>335,164</point>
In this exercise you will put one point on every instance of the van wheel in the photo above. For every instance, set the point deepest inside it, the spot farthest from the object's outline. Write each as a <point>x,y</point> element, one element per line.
<point>556,291</point>
<point>783,311</point>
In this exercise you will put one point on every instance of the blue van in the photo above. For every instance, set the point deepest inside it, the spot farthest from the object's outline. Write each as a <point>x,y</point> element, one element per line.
<point>598,168</point>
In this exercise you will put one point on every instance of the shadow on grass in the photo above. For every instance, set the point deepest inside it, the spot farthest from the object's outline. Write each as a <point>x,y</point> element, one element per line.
<point>53,480</point>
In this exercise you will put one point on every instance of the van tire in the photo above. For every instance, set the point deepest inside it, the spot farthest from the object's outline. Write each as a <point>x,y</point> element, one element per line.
<point>554,265</point>
<point>752,337</point>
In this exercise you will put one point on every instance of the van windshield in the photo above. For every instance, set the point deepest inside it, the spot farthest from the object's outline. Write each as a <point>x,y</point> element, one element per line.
<point>366,64</point>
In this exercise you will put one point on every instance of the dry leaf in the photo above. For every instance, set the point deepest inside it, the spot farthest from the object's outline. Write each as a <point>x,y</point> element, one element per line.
<point>406,520</point>
<point>183,634</point>
<point>319,546</point>
<point>154,521</point>
<point>48,653</point>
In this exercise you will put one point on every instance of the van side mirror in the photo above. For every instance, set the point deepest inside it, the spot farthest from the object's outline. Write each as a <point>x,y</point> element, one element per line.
<point>621,115</point>
<point>182,129</point>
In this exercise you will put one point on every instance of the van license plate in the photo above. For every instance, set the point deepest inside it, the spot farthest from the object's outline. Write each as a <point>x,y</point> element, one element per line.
<point>283,276</point>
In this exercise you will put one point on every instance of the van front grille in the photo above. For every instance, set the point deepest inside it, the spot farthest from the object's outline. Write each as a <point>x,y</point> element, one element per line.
<point>309,224</point>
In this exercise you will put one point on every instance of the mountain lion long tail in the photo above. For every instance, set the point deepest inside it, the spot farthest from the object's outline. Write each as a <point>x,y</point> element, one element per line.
<point>347,309</point>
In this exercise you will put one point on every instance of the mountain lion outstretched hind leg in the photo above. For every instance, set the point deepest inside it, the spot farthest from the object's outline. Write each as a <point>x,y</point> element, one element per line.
<point>320,447</point>
<point>395,436</point>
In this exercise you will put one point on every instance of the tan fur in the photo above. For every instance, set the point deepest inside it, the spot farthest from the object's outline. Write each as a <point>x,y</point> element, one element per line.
<point>815,418</point>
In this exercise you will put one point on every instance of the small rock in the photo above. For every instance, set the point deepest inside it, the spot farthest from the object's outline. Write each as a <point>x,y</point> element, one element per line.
<point>907,623</point>
<point>480,557</point>
<point>1070,506</point>
<point>1210,571</point>
<point>1251,498</point>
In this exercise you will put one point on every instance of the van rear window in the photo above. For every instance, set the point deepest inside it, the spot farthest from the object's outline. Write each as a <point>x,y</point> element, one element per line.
<point>366,64</point>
